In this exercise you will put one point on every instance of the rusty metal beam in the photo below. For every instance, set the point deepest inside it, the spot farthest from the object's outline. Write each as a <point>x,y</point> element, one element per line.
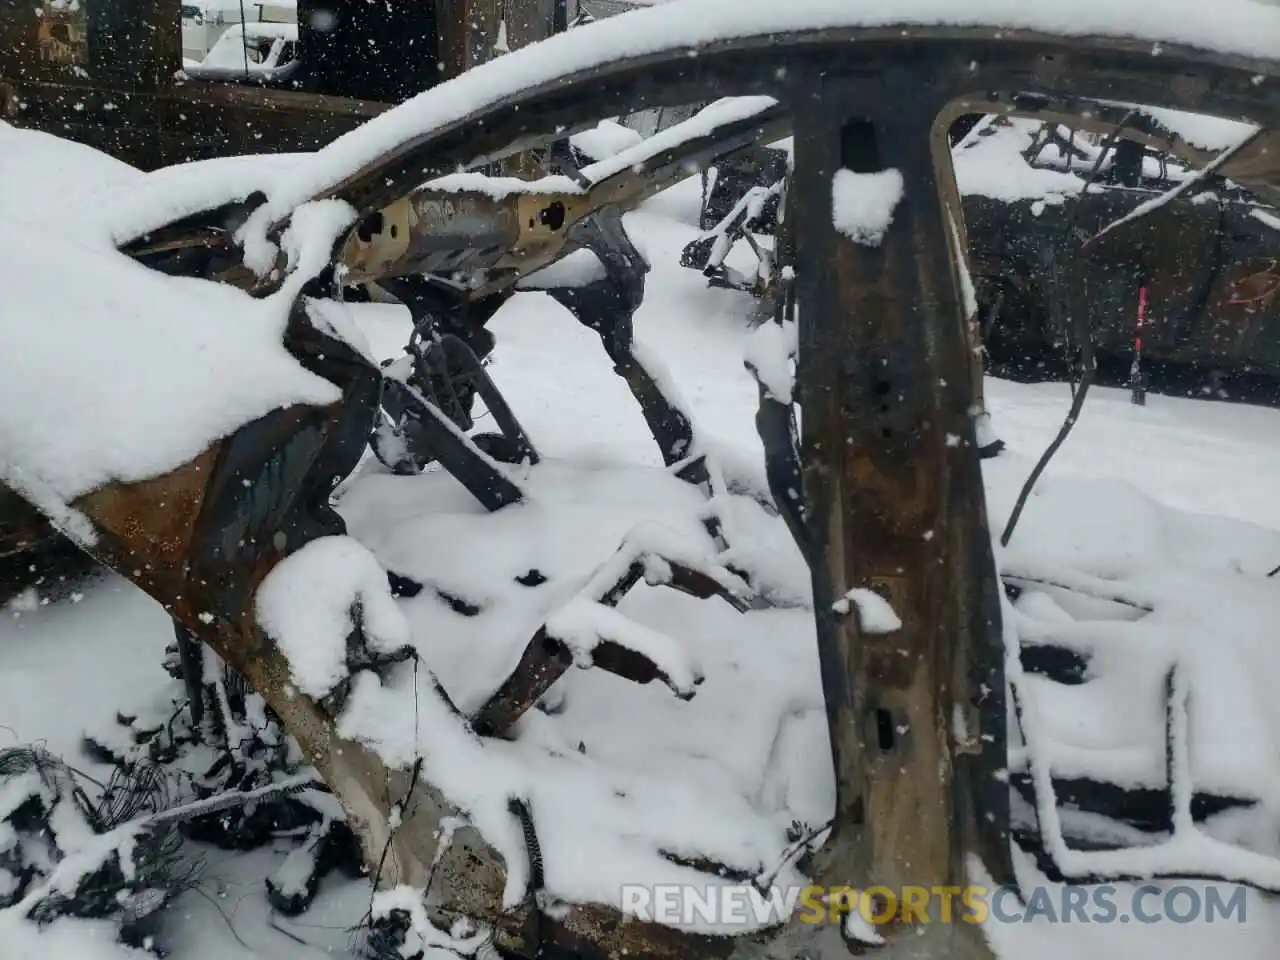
<point>895,505</point>
<point>546,658</point>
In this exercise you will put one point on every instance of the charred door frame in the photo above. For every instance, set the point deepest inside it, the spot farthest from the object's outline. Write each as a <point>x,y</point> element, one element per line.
<point>894,496</point>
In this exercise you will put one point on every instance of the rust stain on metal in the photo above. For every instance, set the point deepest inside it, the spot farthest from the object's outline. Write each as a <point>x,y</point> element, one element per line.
<point>62,36</point>
<point>1257,289</point>
<point>154,518</point>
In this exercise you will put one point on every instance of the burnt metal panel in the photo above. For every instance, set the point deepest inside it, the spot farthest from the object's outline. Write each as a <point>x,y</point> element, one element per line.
<point>1206,263</point>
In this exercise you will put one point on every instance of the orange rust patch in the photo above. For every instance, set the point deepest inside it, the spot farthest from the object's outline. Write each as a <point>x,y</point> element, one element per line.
<point>1257,288</point>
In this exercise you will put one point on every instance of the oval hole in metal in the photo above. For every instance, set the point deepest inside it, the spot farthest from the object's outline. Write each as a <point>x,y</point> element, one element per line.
<point>884,730</point>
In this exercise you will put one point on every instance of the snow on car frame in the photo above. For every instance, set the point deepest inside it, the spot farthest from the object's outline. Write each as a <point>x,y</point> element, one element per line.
<point>463,104</point>
<point>499,831</point>
<point>1241,31</point>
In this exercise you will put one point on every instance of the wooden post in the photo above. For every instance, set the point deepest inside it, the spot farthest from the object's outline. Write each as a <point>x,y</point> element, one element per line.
<point>896,506</point>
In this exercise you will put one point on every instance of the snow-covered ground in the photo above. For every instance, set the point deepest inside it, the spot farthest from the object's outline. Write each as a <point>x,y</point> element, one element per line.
<point>1173,502</point>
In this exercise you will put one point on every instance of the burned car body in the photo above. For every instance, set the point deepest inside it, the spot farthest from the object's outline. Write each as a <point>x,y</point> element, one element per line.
<point>1204,264</point>
<point>886,407</point>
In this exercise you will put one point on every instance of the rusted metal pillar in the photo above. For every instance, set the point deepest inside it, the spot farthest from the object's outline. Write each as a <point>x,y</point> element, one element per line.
<point>896,505</point>
<point>471,31</point>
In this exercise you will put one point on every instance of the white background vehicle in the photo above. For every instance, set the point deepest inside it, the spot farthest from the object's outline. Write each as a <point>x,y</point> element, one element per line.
<point>205,21</point>
<point>250,49</point>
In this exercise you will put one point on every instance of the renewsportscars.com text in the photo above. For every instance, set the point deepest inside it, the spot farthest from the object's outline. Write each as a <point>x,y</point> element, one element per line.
<point>1098,904</point>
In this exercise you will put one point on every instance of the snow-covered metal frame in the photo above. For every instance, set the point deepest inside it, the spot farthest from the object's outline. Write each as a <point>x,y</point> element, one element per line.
<point>892,497</point>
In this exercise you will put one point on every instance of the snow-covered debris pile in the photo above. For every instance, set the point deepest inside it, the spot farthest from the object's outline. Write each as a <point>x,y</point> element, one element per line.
<point>993,164</point>
<point>63,855</point>
<point>1145,668</point>
<point>862,204</point>
<point>596,781</point>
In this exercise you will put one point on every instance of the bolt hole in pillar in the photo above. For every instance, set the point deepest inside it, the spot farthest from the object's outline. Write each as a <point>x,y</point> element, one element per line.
<point>884,730</point>
<point>859,147</point>
<point>882,390</point>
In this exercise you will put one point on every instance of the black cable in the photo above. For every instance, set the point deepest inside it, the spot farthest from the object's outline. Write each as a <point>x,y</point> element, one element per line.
<point>244,39</point>
<point>1077,403</point>
<point>1085,336</point>
<point>1086,378</point>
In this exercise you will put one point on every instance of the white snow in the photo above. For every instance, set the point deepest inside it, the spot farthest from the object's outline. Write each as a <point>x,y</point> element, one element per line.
<point>66,940</point>
<point>160,197</point>
<point>1200,130</point>
<point>969,296</point>
<point>858,929</point>
<point>573,519</point>
<point>68,521</point>
<point>312,601</point>
<point>770,353</point>
<point>127,373</point>
<point>47,177</point>
<point>498,188</point>
<point>875,615</point>
<point>724,111</point>
<point>578,269</point>
<point>1267,219</point>
<point>992,166</point>
<point>236,48</point>
<point>436,944</point>
<point>150,369</point>
<point>606,139</point>
<point>291,879</point>
<point>584,624</point>
<point>337,319</point>
<point>862,204</point>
